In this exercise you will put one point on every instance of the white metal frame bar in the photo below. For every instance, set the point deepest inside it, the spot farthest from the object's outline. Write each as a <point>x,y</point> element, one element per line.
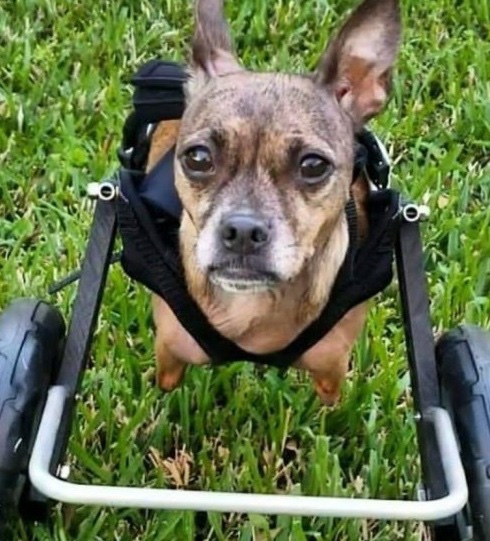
<point>152,498</point>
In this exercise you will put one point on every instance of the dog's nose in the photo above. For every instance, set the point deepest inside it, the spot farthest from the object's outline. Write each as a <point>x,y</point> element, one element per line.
<point>244,233</point>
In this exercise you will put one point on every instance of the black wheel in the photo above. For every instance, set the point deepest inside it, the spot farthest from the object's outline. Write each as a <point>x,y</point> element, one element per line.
<point>31,338</point>
<point>463,356</point>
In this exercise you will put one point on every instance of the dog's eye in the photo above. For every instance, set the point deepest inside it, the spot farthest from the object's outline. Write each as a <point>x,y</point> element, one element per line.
<point>314,168</point>
<point>198,159</point>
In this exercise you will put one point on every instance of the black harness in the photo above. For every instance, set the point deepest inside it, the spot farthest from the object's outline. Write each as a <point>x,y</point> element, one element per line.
<point>149,210</point>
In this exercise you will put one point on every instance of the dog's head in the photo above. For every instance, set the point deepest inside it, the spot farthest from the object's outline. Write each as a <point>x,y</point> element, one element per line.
<point>264,161</point>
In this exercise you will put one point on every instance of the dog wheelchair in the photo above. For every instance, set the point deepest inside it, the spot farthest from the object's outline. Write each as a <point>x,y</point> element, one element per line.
<point>42,363</point>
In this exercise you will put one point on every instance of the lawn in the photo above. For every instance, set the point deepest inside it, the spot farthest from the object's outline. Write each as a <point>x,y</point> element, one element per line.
<point>64,94</point>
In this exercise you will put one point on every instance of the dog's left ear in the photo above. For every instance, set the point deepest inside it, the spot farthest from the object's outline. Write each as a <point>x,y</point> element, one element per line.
<point>212,47</point>
<point>358,61</point>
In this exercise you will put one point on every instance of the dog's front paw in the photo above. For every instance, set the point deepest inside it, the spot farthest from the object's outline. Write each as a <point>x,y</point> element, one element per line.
<point>169,370</point>
<point>327,390</point>
<point>168,381</point>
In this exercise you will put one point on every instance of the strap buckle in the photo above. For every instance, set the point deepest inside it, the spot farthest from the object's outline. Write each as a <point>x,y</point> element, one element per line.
<point>127,155</point>
<point>378,165</point>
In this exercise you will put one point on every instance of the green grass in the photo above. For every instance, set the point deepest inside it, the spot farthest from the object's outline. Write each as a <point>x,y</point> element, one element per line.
<point>64,69</point>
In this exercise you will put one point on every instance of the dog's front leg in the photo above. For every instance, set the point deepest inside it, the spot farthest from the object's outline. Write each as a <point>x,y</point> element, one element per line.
<point>328,360</point>
<point>170,369</point>
<point>174,347</point>
<point>329,384</point>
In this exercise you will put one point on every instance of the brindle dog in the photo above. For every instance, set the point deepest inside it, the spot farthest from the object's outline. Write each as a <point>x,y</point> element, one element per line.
<point>263,167</point>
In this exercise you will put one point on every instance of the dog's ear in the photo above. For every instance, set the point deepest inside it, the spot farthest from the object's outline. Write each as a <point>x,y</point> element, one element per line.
<point>359,60</point>
<point>212,47</point>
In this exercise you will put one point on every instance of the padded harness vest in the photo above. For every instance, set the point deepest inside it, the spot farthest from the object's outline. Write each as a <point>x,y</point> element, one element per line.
<point>149,209</point>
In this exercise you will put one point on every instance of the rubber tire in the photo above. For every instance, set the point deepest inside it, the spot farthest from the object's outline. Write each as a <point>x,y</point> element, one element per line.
<point>31,340</point>
<point>463,357</point>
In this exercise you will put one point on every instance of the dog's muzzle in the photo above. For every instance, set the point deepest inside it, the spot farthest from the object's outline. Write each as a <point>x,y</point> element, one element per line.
<point>244,238</point>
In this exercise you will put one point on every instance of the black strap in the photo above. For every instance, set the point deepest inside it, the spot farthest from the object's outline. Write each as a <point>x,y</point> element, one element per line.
<point>163,273</point>
<point>146,224</point>
<point>377,168</point>
<point>157,189</point>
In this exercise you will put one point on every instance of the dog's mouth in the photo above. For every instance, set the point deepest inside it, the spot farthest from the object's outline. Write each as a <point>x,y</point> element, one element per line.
<point>234,279</point>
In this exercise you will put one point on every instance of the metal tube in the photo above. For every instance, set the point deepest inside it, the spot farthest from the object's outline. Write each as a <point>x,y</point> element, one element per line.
<point>246,503</point>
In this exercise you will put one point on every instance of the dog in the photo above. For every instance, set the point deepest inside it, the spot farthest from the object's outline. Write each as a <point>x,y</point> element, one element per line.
<point>263,167</point>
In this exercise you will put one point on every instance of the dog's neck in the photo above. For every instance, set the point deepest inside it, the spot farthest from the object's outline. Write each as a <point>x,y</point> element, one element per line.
<point>265,322</point>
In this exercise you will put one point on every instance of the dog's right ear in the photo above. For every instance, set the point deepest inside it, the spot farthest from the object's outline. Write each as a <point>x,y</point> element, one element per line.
<point>212,47</point>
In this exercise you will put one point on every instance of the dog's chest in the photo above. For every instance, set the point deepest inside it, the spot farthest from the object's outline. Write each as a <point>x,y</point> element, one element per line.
<point>257,323</point>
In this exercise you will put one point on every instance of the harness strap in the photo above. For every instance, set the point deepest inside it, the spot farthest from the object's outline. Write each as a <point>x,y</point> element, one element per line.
<point>149,258</point>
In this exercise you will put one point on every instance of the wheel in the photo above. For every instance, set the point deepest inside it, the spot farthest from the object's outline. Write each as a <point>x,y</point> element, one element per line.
<point>463,356</point>
<point>31,337</point>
